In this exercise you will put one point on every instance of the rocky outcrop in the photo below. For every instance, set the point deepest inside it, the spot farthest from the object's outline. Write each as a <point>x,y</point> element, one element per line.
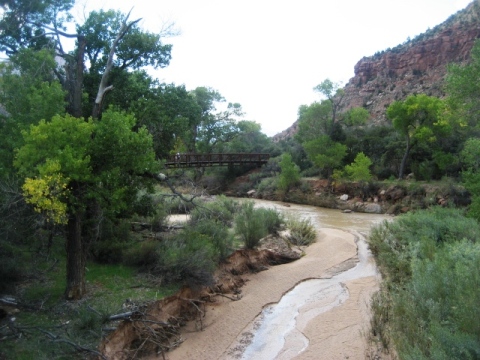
<point>417,66</point>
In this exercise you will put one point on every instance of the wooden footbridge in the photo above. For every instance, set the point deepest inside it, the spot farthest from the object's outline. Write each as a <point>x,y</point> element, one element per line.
<point>203,160</point>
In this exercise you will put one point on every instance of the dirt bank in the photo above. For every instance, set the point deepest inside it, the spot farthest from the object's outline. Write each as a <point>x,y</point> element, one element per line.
<point>218,322</point>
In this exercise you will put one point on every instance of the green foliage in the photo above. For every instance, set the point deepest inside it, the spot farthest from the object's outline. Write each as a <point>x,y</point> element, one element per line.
<point>252,224</point>
<point>302,232</point>
<point>249,226</point>
<point>290,173</point>
<point>359,170</point>
<point>464,91</point>
<point>325,153</point>
<point>249,139</point>
<point>470,154</point>
<point>142,256</point>
<point>219,236</point>
<point>272,219</point>
<point>314,121</point>
<point>419,120</point>
<point>417,235</point>
<point>67,151</point>
<point>11,270</point>
<point>175,257</point>
<point>222,210</point>
<point>471,176</point>
<point>267,186</point>
<point>438,308</point>
<point>356,116</point>
<point>28,93</point>
<point>428,305</point>
<point>114,239</point>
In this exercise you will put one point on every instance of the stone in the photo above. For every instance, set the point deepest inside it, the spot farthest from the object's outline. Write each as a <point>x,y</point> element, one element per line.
<point>344,197</point>
<point>373,208</point>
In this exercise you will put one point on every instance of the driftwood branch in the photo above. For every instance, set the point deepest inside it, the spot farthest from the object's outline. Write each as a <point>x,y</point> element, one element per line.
<point>56,338</point>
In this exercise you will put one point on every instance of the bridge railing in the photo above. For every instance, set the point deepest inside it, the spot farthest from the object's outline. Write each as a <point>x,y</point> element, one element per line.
<point>201,160</point>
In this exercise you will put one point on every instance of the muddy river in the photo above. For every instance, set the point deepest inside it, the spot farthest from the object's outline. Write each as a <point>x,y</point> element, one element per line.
<point>313,308</point>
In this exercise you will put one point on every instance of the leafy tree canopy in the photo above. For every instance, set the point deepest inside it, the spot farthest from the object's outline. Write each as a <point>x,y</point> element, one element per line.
<point>359,170</point>
<point>325,154</point>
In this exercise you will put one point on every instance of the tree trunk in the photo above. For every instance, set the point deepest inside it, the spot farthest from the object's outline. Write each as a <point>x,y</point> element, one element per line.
<point>74,79</point>
<point>404,159</point>
<point>75,259</point>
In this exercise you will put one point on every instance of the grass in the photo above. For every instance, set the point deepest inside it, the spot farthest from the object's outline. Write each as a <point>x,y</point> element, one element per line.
<point>108,287</point>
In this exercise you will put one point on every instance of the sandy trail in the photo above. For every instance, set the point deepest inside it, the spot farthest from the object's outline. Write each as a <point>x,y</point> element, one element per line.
<point>334,334</point>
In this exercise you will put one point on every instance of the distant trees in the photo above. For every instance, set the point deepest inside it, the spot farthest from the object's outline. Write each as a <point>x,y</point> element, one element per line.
<point>417,119</point>
<point>325,153</point>
<point>289,175</point>
<point>334,94</point>
<point>463,90</point>
<point>359,170</point>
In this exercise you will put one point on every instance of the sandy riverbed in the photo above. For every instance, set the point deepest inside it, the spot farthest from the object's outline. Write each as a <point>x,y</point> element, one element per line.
<point>336,334</point>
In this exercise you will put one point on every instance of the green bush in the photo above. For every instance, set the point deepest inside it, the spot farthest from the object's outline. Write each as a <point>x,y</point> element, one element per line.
<point>267,186</point>
<point>189,257</point>
<point>142,255</point>
<point>428,304</point>
<point>436,315</point>
<point>290,173</point>
<point>222,209</point>
<point>218,235</point>
<point>250,226</point>
<point>302,231</point>
<point>272,219</point>
<point>175,205</point>
<point>417,235</point>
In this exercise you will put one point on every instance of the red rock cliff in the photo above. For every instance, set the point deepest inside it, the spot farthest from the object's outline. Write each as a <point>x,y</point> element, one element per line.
<point>417,66</point>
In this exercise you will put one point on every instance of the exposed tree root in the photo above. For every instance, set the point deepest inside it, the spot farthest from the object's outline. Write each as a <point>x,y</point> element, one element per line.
<point>155,329</point>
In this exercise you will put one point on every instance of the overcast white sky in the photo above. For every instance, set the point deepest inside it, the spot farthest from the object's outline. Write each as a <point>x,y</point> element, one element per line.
<point>268,55</point>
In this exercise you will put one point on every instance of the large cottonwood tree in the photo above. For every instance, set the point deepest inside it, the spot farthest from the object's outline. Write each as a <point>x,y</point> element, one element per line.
<point>113,44</point>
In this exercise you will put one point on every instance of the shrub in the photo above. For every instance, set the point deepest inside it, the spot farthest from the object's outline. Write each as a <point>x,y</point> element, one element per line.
<point>417,235</point>
<point>267,186</point>
<point>142,255</point>
<point>272,219</point>
<point>428,304</point>
<point>437,313</point>
<point>218,235</point>
<point>250,225</point>
<point>11,269</point>
<point>302,231</point>
<point>222,210</point>
<point>113,241</point>
<point>290,173</point>
<point>175,205</point>
<point>189,257</point>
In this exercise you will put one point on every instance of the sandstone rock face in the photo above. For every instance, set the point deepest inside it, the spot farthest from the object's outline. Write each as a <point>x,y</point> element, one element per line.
<point>418,66</point>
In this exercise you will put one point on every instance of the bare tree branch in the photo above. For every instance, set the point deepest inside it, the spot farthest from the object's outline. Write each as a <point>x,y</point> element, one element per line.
<point>103,88</point>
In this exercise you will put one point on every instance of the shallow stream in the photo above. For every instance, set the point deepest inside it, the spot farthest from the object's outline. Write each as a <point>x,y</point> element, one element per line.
<point>277,332</point>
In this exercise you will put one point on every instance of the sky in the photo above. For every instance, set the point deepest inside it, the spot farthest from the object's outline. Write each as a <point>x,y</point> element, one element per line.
<point>268,55</point>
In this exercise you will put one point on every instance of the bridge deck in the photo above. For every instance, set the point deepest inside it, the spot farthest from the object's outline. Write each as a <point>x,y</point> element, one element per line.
<point>201,160</point>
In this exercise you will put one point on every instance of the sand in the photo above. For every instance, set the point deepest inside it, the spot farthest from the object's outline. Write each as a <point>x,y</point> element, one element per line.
<point>337,334</point>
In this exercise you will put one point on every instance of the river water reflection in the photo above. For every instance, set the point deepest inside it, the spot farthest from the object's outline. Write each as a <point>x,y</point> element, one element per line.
<point>278,330</point>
